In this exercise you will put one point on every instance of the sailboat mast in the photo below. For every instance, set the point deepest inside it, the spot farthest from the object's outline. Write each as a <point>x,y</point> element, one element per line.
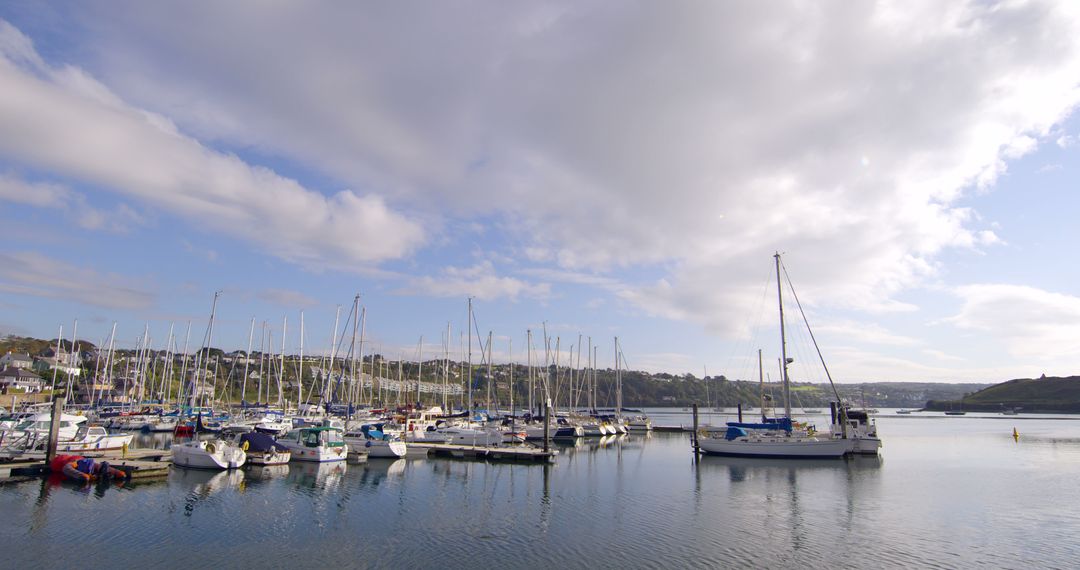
<point>783,339</point>
<point>468,379</point>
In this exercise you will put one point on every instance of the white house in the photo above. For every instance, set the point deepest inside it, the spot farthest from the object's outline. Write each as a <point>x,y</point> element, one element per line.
<point>16,360</point>
<point>12,377</point>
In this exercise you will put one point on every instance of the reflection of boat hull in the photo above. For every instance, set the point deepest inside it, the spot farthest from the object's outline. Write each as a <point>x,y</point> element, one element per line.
<point>778,447</point>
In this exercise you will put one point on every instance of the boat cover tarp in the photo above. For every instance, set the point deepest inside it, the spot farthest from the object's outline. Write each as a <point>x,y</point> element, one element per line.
<point>260,442</point>
<point>777,424</point>
<point>734,432</point>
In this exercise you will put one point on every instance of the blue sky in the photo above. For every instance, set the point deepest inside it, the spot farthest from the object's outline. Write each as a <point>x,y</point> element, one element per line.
<point>609,169</point>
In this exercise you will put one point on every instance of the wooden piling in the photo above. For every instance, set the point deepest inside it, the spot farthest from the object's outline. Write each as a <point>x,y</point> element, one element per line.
<point>696,449</point>
<point>54,428</point>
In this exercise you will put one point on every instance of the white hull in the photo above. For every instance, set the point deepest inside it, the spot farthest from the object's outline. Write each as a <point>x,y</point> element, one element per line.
<point>100,443</point>
<point>863,445</point>
<point>774,446</point>
<point>212,454</point>
<point>378,448</point>
<point>317,454</point>
<point>268,457</point>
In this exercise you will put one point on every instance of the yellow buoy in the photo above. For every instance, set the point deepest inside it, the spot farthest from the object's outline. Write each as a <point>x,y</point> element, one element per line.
<point>1016,435</point>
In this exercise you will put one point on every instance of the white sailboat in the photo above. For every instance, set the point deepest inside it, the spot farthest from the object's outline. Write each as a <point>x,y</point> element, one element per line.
<point>94,438</point>
<point>773,439</point>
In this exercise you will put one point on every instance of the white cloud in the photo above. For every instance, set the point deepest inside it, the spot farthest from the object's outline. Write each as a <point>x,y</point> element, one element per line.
<point>64,120</point>
<point>479,281</point>
<point>693,139</point>
<point>73,204</point>
<point>866,332</point>
<point>700,137</point>
<point>31,273</point>
<point>1029,322</point>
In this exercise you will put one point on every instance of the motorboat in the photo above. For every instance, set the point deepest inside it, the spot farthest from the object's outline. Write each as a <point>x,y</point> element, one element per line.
<point>856,427</point>
<point>208,454</point>
<point>317,444</point>
<point>38,425</point>
<point>370,437</point>
<point>639,423</point>
<point>94,438</point>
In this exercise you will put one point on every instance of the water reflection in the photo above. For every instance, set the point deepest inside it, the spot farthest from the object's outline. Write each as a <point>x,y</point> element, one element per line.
<point>744,468</point>
<point>266,472</point>
<point>205,484</point>
<point>374,471</point>
<point>322,476</point>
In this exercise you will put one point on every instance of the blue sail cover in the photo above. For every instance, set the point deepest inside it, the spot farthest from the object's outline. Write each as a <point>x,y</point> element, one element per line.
<point>734,432</point>
<point>773,424</point>
<point>260,442</point>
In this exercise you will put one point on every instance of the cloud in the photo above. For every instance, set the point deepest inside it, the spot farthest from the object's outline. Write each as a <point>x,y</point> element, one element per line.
<point>698,138</point>
<point>31,273</point>
<point>866,332</point>
<point>64,120</point>
<point>691,140</point>
<point>73,204</point>
<point>479,281</point>
<point>1030,323</point>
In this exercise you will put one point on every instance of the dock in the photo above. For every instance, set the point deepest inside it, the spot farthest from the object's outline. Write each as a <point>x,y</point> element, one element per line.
<point>140,463</point>
<point>509,453</point>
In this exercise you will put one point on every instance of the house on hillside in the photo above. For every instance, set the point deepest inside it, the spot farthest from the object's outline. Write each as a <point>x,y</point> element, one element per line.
<point>18,378</point>
<point>16,360</point>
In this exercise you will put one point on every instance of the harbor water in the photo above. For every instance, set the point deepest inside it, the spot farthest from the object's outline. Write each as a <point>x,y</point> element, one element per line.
<point>946,492</point>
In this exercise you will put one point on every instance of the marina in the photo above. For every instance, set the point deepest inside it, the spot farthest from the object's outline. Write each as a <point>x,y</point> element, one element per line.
<point>590,507</point>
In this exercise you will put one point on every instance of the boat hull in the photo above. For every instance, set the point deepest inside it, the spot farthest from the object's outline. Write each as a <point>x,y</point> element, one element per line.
<point>208,455</point>
<point>778,448</point>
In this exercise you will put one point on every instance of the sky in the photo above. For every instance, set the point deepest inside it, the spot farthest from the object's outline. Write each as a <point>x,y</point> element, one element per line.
<point>592,170</point>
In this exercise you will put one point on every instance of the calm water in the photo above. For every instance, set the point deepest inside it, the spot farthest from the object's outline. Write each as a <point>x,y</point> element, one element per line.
<point>946,492</point>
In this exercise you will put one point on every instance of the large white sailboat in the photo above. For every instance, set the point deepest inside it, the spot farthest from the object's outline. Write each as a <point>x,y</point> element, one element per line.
<point>776,438</point>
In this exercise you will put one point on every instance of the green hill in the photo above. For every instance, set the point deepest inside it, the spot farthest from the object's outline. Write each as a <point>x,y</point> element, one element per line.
<point>1046,394</point>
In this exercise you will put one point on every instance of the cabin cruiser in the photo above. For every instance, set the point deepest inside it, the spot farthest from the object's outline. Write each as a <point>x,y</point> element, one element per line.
<point>208,454</point>
<point>38,425</point>
<point>376,442</point>
<point>94,438</point>
<point>318,444</point>
<point>855,427</point>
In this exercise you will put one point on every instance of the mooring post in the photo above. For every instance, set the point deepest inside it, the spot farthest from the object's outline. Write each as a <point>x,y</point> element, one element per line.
<point>740,413</point>
<point>547,426</point>
<point>695,429</point>
<point>54,428</point>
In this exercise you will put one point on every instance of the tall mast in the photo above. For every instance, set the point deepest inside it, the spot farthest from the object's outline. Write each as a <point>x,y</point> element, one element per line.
<point>419,369</point>
<point>281,371</point>
<point>247,360</point>
<point>468,379</point>
<point>783,339</point>
<point>528,360</point>
<point>352,350</point>
<point>300,374</point>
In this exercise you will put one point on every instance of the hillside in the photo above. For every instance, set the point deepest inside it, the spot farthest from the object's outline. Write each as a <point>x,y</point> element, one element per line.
<point>1046,394</point>
<point>36,346</point>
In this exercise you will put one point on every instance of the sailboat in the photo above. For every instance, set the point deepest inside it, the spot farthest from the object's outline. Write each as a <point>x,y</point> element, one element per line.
<point>775,437</point>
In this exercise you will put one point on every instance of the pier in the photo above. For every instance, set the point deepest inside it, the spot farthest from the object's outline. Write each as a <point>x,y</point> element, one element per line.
<point>139,463</point>
<point>515,453</point>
